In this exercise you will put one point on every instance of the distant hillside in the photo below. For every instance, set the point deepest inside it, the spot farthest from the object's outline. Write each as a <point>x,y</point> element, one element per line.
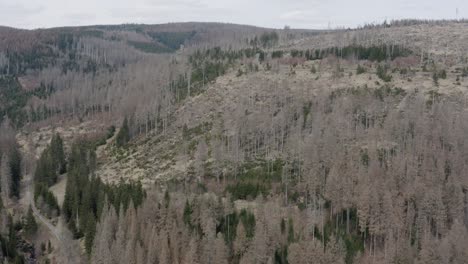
<point>148,38</point>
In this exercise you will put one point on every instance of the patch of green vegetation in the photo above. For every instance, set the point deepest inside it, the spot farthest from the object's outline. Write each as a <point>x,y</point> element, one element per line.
<point>464,72</point>
<point>305,112</point>
<point>207,72</point>
<point>103,140</point>
<point>247,190</point>
<point>281,255</point>
<point>313,69</point>
<point>267,39</point>
<point>433,96</point>
<point>85,193</point>
<point>173,40</point>
<point>365,157</point>
<point>277,54</point>
<point>262,170</point>
<point>190,133</point>
<point>372,53</point>
<point>92,33</point>
<point>296,53</point>
<point>255,178</point>
<point>30,224</point>
<point>442,74</point>
<point>382,73</point>
<point>207,65</point>
<point>119,153</point>
<point>50,165</point>
<point>9,243</point>
<point>192,146</point>
<point>228,225</point>
<point>123,137</point>
<point>291,235</point>
<point>360,69</point>
<point>383,154</point>
<point>149,47</point>
<point>404,71</point>
<point>187,218</point>
<point>386,90</point>
<point>42,191</point>
<point>438,75</point>
<point>248,220</point>
<point>36,58</point>
<point>353,240</point>
<point>12,100</point>
<point>65,41</point>
<point>357,91</point>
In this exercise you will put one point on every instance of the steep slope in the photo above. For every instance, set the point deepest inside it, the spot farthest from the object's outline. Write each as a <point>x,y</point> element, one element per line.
<point>340,159</point>
<point>343,146</point>
<point>233,103</point>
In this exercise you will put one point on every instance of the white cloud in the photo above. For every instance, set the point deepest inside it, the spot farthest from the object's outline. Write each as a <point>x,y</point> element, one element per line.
<point>267,13</point>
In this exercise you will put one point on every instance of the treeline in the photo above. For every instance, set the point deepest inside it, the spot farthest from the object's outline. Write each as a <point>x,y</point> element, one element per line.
<point>172,40</point>
<point>255,178</point>
<point>10,162</point>
<point>265,40</point>
<point>50,165</point>
<point>13,232</point>
<point>14,100</point>
<point>10,177</point>
<point>206,65</point>
<point>167,228</point>
<point>86,194</point>
<point>412,22</point>
<point>376,53</point>
<point>9,242</point>
<point>36,58</point>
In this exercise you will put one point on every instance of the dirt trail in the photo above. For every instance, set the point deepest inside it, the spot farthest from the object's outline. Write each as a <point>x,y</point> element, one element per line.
<point>68,250</point>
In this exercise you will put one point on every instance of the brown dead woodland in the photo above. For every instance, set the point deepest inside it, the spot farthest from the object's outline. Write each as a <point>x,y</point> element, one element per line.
<point>251,145</point>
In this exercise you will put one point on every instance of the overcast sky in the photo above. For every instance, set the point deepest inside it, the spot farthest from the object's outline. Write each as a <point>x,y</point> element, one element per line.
<point>267,13</point>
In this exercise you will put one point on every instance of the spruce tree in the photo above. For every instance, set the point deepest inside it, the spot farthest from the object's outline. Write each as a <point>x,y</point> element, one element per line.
<point>5,178</point>
<point>124,134</point>
<point>58,155</point>
<point>90,233</point>
<point>31,225</point>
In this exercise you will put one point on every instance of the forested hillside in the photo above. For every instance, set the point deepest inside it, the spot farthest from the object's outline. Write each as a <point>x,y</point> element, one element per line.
<point>221,143</point>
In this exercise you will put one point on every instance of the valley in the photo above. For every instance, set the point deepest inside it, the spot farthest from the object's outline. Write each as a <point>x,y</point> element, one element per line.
<point>223,143</point>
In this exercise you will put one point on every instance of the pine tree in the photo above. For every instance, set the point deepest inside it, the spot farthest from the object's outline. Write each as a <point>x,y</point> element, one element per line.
<point>31,225</point>
<point>90,232</point>
<point>57,152</point>
<point>5,178</point>
<point>124,134</point>
<point>15,165</point>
